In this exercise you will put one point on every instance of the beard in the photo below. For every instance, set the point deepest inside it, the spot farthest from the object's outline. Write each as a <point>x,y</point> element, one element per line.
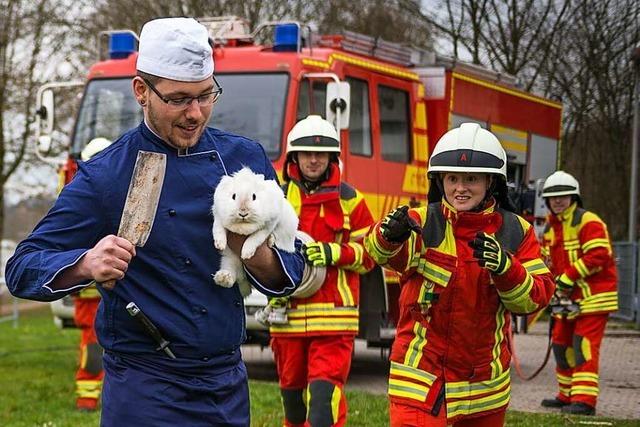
<point>174,130</point>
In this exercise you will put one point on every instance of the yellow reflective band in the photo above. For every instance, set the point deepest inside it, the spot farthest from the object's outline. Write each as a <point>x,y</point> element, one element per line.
<point>357,235</point>
<point>425,295</point>
<point>604,302</point>
<point>315,305</point>
<point>603,297</point>
<point>83,357</point>
<point>573,255</point>
<point>89,292</point>
<point>344,290</point>
<point>293,196</point>
<point>414,351</point>
<point>572,244</point>
<point>545,251</point>
<point>346,221</point>
<point>536,266</point>
<point>335,403</point>
<point>596,243</point>
<point>433,272</point>
<point>400,370</point>
<point>612,306</point>
<point>401,388</point>
<point>462,389</point>
<point>563,379</point>
<point>88,388</point>
<point>570,355</point>
<point>585,390</point>
<point>324,310</point>
<point>415,256</point>
<point>582,269</point>
<point>585,348</point>
<point>519,299</point>
<point>473,406</point>
<point>585,377</point>
<point>584,287</point>
<point>288,328</point>
<point>347,324</point>
<point>377,252</point>
<point>498,337</point>
<point>357,264</point>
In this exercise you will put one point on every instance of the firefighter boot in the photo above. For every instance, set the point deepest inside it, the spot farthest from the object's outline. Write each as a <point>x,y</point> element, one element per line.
<point>295,408</point>
<point>579,408</point>
<point>553,403</point>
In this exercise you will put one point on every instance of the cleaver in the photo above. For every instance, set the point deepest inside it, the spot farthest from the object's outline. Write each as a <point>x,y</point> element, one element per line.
<point>142,200</point>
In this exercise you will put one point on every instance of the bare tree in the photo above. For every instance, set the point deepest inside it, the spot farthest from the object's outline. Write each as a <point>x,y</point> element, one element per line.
<point>31,32</point>
<point>593,72</point>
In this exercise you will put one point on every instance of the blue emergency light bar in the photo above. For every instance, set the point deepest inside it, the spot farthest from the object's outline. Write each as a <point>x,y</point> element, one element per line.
<point>121,45</point>
<point>286,38</point>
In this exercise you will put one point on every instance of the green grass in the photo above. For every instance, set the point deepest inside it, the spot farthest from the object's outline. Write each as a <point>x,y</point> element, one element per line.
<point>38,362</point>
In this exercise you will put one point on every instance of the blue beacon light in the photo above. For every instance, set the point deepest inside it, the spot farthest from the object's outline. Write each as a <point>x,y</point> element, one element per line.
<point>121,45</point>
<point>286,38</point>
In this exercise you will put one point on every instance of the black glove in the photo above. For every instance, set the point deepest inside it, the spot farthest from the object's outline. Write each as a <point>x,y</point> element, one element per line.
<point>490,254</point>
<point>396,227</point>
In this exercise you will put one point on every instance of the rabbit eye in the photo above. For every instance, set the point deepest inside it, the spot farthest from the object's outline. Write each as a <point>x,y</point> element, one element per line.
<point>233,196</point>
<point>254,196</point>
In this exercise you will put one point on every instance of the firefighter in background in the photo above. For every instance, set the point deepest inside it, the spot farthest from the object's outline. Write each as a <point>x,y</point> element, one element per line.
<point>313,346</point>
<point>466,261</point>
<point>578,247</point>
<point>89,374</point>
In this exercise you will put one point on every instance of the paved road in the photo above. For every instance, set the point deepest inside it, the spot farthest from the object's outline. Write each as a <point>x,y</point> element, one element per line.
<point>619,375</point>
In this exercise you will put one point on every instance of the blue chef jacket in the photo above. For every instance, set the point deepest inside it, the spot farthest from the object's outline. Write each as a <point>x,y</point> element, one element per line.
<point>170,278</point>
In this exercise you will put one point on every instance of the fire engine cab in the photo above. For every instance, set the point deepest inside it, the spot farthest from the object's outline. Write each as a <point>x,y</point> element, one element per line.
<point>391,104</point>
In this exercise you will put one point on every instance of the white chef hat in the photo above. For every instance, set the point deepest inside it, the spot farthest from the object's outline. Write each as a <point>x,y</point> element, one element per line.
<point>175,49</point>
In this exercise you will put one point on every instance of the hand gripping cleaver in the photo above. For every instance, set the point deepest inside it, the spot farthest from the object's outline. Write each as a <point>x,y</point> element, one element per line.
<point>142,200</point>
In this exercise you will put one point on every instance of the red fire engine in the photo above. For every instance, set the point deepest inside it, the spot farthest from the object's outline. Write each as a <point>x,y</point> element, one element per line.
<point>390,102</point>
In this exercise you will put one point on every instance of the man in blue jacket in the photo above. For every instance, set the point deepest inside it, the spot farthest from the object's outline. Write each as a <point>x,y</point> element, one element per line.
<point>170,278</point>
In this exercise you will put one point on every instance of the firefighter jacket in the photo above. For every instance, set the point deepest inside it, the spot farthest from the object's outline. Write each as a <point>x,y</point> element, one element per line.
<point>170,278</point>
<point>334,212</point>
<point>453,329</point>
<point>576,242</point>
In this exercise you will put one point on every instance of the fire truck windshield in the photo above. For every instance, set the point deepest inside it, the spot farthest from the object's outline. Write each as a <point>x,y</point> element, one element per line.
<point>251,105</point>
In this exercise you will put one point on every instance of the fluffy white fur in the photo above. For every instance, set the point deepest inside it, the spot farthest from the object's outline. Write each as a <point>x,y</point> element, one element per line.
<point>248,204</point>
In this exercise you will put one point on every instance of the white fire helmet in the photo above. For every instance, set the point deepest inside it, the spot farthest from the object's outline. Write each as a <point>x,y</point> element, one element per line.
<point>313,134</point>
<point>468,148</point>
<point>94,146</point>
<point>560,183</point>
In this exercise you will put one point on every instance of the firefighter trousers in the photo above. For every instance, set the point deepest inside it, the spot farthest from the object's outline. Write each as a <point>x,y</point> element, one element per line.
<point>312,372</point>
<point>576,348</point>
<point>90,373</point>
<point>409,416</point>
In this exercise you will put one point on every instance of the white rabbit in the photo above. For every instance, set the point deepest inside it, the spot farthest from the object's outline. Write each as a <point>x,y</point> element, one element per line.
<point>246,203</point>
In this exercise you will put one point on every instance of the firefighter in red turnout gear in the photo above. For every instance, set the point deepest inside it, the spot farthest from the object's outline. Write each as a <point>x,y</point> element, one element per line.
<point>313,347</point>
<point>578,249</point>
<point>90,373</point>
<point>466,262</point>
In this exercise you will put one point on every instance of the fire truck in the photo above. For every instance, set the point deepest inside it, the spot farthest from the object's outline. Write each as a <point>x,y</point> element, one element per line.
<point>390,103</point>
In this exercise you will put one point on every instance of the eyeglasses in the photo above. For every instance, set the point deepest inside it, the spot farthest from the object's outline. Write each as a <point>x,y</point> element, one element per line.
<point>204,100</point>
